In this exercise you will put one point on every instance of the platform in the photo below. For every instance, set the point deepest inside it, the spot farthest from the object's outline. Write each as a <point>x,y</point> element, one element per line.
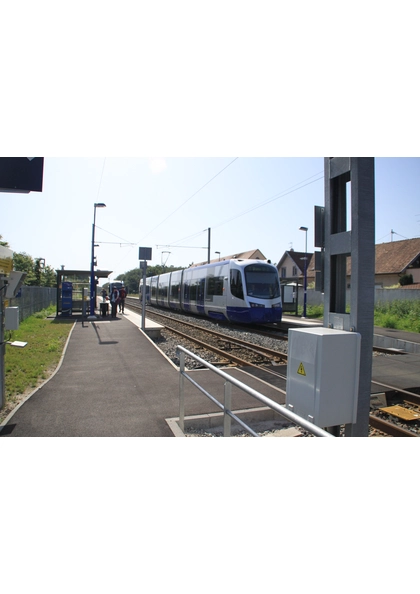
<point>114,382</point>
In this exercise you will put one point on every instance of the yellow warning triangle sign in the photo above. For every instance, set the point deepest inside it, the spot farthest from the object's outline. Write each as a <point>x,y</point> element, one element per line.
<point>301,370</point>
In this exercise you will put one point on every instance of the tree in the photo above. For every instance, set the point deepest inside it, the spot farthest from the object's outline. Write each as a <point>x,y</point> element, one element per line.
<point>406,279</point>
<point>131,279</point>
<point>35,275</point>
<point>25,263</point>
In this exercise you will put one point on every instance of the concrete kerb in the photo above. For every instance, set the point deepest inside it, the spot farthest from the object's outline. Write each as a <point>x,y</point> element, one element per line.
<point>260,419</point>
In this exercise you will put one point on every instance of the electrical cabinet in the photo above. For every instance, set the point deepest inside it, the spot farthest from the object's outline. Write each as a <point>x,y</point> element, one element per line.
<point>11,321</point>
<point>323,375</point>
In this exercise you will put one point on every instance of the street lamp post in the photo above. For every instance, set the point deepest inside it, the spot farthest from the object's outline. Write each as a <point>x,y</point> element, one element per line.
<point>92,262</point>
<point>219,255</point>
<point>305,274</point>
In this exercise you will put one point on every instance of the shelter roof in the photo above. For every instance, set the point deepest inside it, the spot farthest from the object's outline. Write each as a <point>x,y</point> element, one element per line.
<point>70,272</point>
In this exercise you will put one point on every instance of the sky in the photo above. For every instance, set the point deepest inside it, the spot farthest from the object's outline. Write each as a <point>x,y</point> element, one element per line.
<point>169,204</point>
<point>267,86</point>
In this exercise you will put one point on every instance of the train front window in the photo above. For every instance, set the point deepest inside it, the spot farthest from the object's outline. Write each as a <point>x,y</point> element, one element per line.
<point>262,281</point>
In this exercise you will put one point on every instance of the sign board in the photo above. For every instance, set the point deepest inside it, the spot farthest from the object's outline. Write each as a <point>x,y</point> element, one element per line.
<point>6,260</point>
<point>145,253</point>
<point>21,174</point>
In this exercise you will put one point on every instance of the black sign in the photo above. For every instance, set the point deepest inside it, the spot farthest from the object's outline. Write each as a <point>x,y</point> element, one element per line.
<point>145,253</point>
<point>21,174</point>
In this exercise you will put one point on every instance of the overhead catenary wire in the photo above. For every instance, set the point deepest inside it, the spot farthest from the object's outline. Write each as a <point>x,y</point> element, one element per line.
<point>281,194</point>
<point>294,188</point>
<point>188,199</point>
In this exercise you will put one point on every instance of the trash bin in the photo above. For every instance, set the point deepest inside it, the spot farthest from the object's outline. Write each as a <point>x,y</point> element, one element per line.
<point>104,309</point>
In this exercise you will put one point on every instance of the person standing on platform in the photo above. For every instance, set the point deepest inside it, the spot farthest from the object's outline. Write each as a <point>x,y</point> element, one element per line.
<point>123,295</point>
<point>115,297</point>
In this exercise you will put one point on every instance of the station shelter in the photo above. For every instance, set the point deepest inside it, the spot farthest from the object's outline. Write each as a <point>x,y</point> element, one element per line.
<point>73,291</point>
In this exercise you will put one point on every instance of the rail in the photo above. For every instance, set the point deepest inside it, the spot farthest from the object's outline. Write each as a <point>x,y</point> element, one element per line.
<point>226,406</point>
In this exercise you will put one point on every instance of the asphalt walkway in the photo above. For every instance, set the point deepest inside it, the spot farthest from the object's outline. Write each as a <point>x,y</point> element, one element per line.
<point>113,381</point>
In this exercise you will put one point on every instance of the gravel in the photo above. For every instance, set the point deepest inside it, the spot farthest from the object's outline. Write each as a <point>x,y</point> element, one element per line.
<point>168,342</point>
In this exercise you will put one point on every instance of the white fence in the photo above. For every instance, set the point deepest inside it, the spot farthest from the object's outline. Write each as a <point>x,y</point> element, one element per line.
<point>381,296</point>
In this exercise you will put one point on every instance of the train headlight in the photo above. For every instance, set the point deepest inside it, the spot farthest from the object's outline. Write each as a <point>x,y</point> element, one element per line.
<point>276,305</point>
<point>256,304</point>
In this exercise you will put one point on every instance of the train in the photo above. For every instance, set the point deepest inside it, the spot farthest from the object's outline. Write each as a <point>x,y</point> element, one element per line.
<point>239,291</point>
<point>115,285</point>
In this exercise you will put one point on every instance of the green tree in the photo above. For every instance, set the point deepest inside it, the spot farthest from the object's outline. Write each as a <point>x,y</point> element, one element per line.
<point>25,263</point>
<point>36,276</point>
<point>406,279</point>
<point>132,278</point>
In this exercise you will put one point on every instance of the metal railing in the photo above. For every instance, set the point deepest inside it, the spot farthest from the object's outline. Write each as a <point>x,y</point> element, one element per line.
<point>226,407</point>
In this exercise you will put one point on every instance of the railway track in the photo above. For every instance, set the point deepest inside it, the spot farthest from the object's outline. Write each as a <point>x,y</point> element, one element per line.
<point>229,349</point>
<point>235,351</point>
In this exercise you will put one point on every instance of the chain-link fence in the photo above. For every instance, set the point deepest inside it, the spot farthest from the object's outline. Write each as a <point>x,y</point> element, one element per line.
<point>33,299</point>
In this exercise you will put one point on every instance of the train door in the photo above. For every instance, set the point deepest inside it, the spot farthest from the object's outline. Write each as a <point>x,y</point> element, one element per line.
<point>201,295</point>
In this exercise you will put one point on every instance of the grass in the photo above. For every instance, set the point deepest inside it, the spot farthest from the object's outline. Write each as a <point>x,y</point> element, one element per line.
<point>400,315</point>
<point>26,368</point>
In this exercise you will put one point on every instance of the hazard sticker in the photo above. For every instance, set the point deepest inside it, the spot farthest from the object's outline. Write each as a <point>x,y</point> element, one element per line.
<point>301,370</point>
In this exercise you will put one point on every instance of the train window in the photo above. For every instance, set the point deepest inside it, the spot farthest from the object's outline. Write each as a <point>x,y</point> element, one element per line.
<point>262,281</point>
<point>175,291</point>
<point>236,284</point>
<point>193,292</point>
<point>214,286</point>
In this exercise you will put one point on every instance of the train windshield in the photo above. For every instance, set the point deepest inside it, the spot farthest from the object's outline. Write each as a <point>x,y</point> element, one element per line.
<point>262,281</point>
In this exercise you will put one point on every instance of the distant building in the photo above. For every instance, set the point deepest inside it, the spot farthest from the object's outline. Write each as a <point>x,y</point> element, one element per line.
<point>292,266</point>
<point>392,261</point>
<point>395,259</point>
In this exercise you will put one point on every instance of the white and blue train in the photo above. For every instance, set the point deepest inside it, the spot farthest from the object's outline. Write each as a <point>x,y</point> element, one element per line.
<point>244,291</point>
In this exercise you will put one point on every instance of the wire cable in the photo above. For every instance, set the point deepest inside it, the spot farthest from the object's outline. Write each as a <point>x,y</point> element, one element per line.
<point>188,199</point>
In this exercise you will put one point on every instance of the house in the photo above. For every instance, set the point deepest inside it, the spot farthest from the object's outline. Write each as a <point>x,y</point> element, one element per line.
<point>292,266</point>
<point>392,261</point>
<point>250,255</point>
<point>395,259</point>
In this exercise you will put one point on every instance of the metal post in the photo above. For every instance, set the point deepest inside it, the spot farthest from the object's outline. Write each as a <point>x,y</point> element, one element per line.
<point>227,421</point>
<point>92,261</point>
<point>2,344</point>
<point>208,246</point>
<point>359,243</point>
<point>143,299</point>
<point>92,269</point>
<point>181,389</point>
<point>305,274</point>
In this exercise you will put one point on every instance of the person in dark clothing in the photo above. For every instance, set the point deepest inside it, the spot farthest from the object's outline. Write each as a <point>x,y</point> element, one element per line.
<point>123,295</point>
<point>115,297</point>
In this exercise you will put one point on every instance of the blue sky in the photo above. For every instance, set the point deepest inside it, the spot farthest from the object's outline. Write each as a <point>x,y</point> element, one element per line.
<point>270,84</point>
<point>168,204</point>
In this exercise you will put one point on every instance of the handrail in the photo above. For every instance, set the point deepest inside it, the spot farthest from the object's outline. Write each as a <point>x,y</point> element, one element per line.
<point>228,414</point>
